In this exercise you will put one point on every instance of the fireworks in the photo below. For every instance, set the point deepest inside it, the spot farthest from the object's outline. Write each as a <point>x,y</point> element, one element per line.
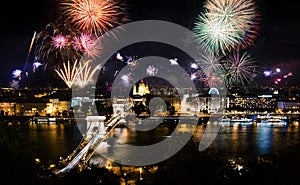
<point>88,44</point>
<point>59,41</point>
<point>131,62</point>
<point>69,73</point>
<point>227,24</point>
<point>151,70</point>
<point>210,63</point>
<point>213,80</point>
<point>85,74</point>
<point>54,44</point>
<point>277,75</point>
<point>35,66</point>
<point>119,57</point>
<point>240,69</point>
<point>173,61</point>
<point>127,80</point>
<point>96,16</point>
<point>30,46</point>
<point>214,34</point>
<point>14,84</point>
<point>17,74</point>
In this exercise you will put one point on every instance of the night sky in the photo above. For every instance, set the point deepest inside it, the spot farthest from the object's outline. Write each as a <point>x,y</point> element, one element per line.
<point>277,45</point>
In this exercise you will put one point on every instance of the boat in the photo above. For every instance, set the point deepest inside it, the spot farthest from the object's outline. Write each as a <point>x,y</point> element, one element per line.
<point>273,120</point>
<point>235,120</point>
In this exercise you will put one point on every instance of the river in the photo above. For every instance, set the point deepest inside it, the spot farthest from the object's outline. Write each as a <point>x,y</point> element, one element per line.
<point>245,142</point>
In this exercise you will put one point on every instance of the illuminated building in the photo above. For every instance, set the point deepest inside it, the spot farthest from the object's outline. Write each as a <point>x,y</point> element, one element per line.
<point>141,89</point>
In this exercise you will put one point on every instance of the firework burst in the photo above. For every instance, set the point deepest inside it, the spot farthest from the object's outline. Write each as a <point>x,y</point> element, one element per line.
<point>127,79</point>
<point>35,66</point>
<point>227,24</point>
<point>239,69</point>
<point>69,73</point>
<point>210,63</point>
<point>151,70</point>
<point>88,44</point>
<point>213,80</point>
<point>59,41</point>
<point>96,16</point>
<point>14,84</point>
<point>54,43</point>
<point>85,75</point>
<point>17,74</point>
<point>131,62</point>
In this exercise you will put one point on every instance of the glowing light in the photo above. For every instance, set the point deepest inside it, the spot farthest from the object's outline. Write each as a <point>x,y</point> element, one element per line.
<point>227,24</point>
<point>126,80</point>
<point>287,75</point>
<point>36,65</point>
<point>210,63</point>
<point>59,41</point>
<point>193,76</point>
<point>17,74</point>
<point>194,66</point>
<point>14,84</point>
<point>85,74</point>
<point>174,61</point>
<point>213,91</point>
<point>151,70</point>
<point>119,57</point>
<point>268,73</point>
<point>69,73</point>
<point>240,69</point>
<point>88,44</point>
<point>94,15</point>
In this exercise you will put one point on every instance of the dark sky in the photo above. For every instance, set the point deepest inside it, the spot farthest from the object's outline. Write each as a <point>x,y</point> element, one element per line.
<point>278,44</point>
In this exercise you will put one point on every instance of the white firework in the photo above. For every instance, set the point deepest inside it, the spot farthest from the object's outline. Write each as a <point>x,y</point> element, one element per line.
<point>210,63</point>
<point>151,70</point>
<point>126,79</point>
<point>14,84</point>
<point>69,73</point>
<point>174,61</point>
<point>85,75</point>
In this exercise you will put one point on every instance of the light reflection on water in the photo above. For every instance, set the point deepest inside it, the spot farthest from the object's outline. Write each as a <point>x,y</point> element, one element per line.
<point>54,140</point>
<point>250,140</point>
<point>50,141</point>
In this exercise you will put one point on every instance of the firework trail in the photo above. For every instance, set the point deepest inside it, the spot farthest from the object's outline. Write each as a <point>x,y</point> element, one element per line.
<point>213,80</point>
<point>85,74</point>
<point>30,46</point>
<point>132,62</point>
<point>69,73</point>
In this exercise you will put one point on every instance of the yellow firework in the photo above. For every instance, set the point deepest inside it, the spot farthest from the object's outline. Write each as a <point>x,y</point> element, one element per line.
<point>69,73</point>
<point>85,74</point>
